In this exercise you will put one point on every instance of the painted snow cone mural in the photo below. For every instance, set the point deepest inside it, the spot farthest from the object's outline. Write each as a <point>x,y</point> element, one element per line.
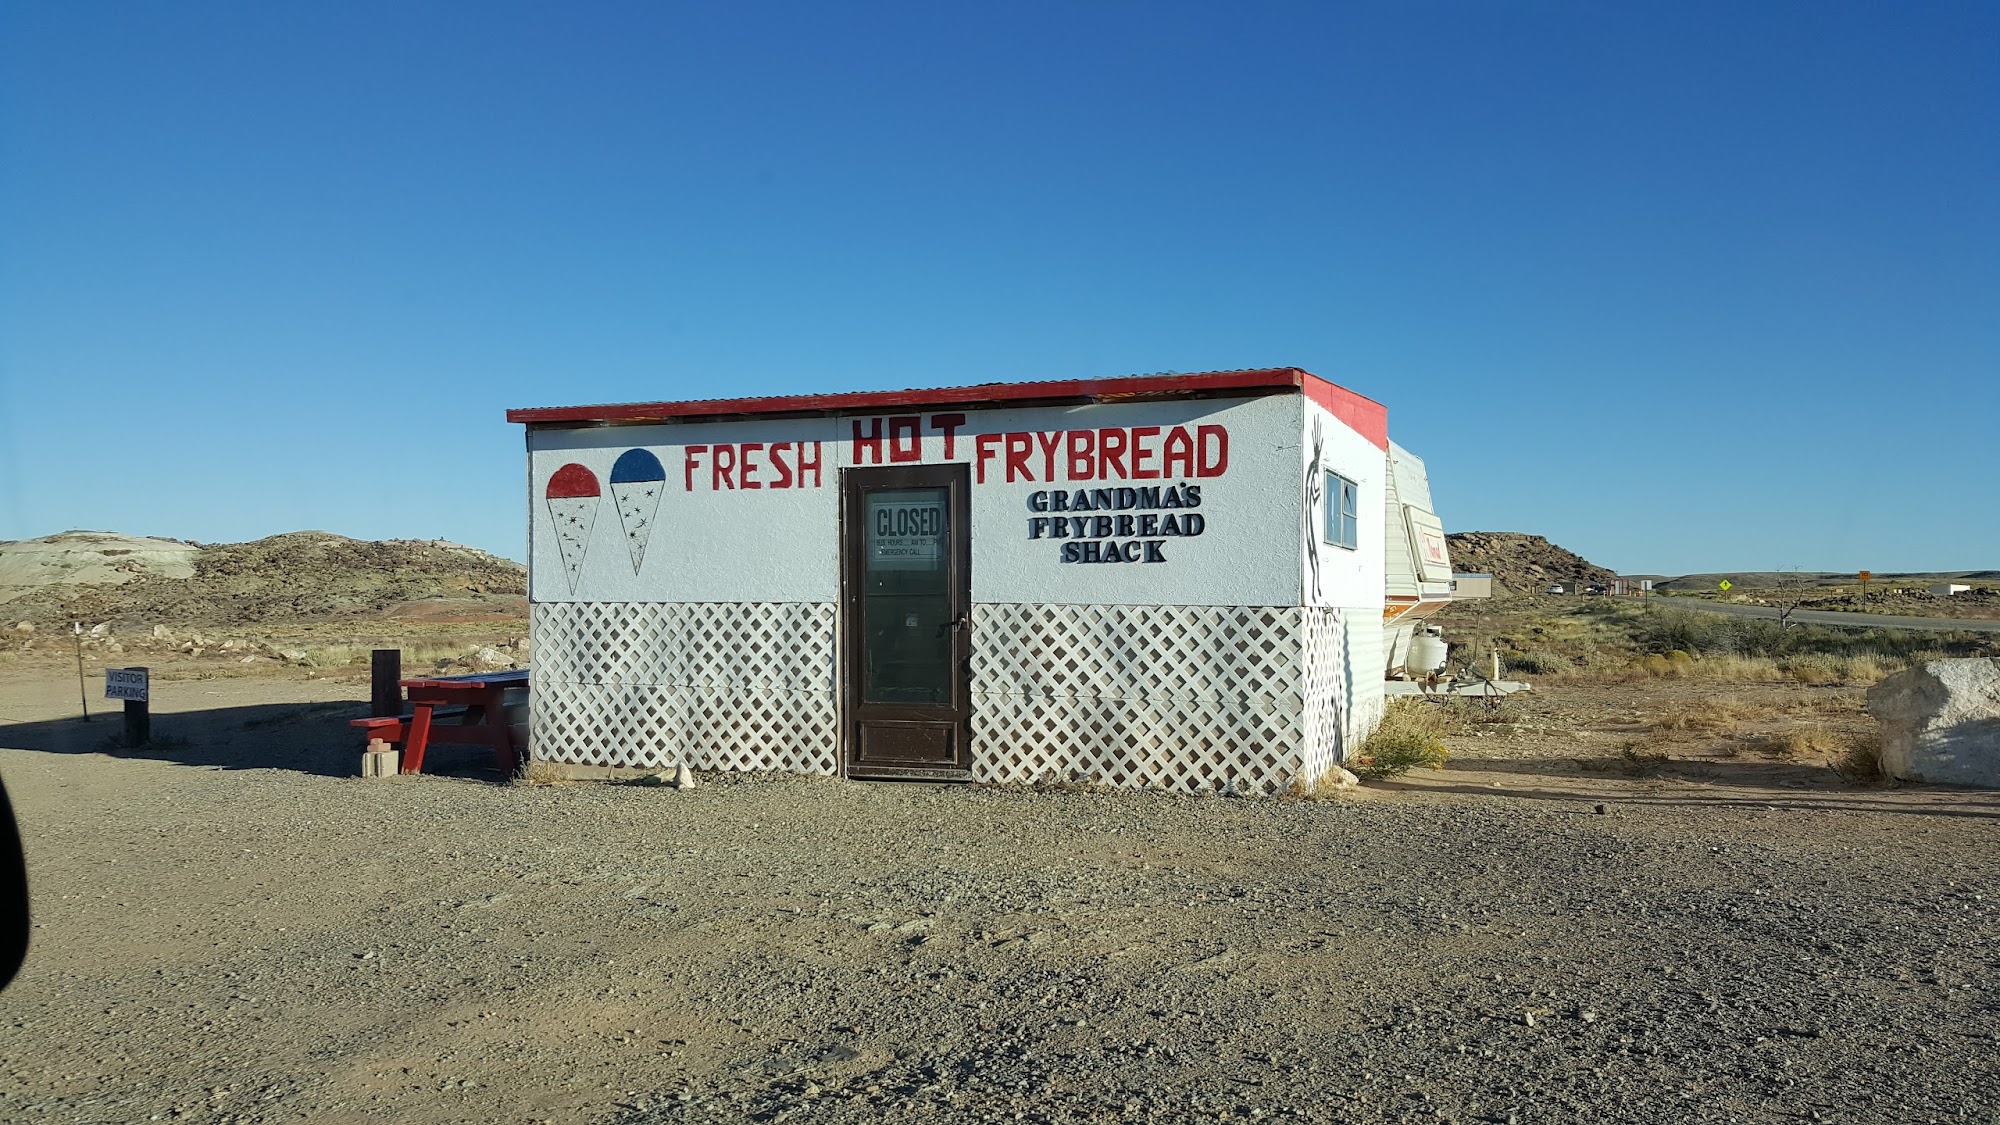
<point>636,483</point>
<point>573,494</point>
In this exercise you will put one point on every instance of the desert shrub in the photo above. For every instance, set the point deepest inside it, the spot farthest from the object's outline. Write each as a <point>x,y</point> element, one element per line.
<point>1721,713</point>
<point>1682,630</point>
<point>1860,761</point>
<point>1761,636</point>
<point>1411,735</point>
<point>1535,662</point>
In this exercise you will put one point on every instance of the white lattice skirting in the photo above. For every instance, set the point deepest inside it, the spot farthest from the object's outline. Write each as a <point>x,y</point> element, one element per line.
<point>1169,697</point>
<point>718,685</point>
<point>1249,698</point>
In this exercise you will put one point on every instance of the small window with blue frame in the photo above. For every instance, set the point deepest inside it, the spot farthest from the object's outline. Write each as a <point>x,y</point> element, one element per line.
<point>1343,503</point>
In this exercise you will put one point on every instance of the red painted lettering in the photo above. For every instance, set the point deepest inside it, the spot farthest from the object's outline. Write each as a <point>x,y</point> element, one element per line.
<point>1082,455</point>
<point>1049,442</point>
<point>778,462</point>
<point>693,458</point>
<point>1141,453</point>
<point>725,467</point>
<point>809,464</point>
<point>901,428</point>
<point>872,443</point>
<point>1110,452</point>
<point>1179,449</point>
<point>749,466</point>
<point>982,452</point>
<point>949,423</point>
<point>1019,446</point>
<point>1218,464</point>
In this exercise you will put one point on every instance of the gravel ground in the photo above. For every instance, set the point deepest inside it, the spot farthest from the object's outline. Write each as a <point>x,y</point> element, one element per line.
<point>228,931</point>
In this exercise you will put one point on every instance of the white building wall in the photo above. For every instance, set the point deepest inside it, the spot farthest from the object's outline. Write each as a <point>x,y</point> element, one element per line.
<point>1342,590</point>
<point>714,540</point>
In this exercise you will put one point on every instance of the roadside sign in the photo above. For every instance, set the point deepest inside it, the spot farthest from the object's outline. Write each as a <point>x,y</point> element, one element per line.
<point>1725,584</point>
<point>126,683</point>
<point>1865,575</point>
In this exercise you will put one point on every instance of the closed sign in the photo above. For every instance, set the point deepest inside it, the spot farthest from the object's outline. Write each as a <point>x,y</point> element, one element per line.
<point>906,529</point>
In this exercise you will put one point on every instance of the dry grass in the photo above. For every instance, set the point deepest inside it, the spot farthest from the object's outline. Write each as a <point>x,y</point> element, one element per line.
<point>1854,755</point>
<point>1860,761</point>
<point>1810,669</point>
<point>1724,713</point>
<point>1411,735</point>
<point>535,771</point>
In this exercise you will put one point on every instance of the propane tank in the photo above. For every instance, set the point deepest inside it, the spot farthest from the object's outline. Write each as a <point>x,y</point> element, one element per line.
<point>1427,652</point>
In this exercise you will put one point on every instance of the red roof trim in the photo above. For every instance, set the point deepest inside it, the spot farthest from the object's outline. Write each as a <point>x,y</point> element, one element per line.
<point>985,394</point>
<point>1364,416</point>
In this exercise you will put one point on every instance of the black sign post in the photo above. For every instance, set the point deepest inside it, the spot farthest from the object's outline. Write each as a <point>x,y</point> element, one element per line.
<point>133,685</point>
<point>385,696</point>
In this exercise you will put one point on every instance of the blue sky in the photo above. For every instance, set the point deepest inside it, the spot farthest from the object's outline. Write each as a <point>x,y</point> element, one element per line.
<point>1682,286</point>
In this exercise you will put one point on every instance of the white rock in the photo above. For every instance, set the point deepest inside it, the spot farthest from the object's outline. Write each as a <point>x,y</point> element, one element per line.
<point>1340,780</point>
<point>487,656</point>
<point>1941,722</point>
<point>25,627</point>
<point>683,777</point>
<point>102,630</point>
<point>160,633</point>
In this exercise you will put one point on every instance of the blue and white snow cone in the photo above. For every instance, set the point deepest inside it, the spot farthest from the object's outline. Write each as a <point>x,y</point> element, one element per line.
<point>636,483</point>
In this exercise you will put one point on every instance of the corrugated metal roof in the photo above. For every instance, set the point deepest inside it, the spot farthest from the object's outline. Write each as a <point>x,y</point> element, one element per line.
<point>1123,388</point>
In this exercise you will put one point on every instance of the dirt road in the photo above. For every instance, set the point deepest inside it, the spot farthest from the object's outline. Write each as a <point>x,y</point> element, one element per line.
<point>232,931</point>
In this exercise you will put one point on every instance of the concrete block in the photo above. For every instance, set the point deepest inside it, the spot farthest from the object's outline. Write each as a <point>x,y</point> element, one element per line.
<point>385,762</point>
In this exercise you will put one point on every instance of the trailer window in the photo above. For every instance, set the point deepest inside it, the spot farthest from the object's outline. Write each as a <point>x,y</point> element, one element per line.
<point>1343,503</point>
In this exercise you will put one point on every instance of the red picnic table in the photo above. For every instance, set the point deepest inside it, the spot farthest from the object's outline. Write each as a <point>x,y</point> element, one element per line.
<point>478,701</point>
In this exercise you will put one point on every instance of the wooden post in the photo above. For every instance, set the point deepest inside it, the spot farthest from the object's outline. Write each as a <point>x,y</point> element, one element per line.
<point>385,698</point>
<point>138,721</point>
<point>82,691</point>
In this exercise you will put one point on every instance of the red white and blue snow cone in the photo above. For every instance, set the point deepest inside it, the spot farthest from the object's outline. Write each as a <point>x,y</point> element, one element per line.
<point>573,495</point>
<point>636,483</point>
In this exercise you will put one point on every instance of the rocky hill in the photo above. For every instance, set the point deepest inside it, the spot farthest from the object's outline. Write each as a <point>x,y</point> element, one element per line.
<point>1521,564</point>
<point>96,577</point>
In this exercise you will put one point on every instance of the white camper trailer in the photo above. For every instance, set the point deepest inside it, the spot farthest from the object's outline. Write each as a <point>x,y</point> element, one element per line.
<point>1416,564</point>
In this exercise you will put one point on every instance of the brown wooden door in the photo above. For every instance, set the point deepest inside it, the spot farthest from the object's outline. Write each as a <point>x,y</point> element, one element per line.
<point>906,650</point>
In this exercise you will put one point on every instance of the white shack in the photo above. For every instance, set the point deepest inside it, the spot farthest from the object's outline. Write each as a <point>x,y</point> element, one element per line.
<point>1159,581</point>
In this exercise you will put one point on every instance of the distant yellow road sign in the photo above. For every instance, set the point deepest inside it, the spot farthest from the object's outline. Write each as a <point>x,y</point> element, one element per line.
<point>1865,575</point>
<point>1724,584</point>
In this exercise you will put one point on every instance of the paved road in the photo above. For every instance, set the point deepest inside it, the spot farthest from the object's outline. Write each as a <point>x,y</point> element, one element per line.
<point>1853,620</point>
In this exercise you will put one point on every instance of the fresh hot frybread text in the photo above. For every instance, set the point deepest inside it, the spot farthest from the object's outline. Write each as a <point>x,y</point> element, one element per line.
<point>1102,453</point>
